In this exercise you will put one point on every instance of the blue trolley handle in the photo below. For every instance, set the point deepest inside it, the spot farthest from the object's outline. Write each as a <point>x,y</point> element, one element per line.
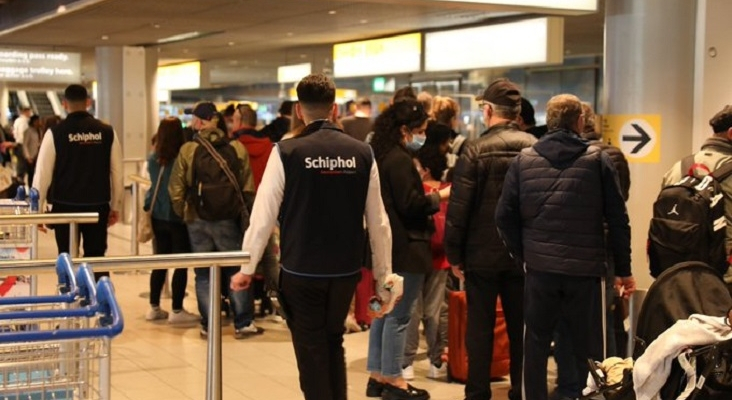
<point>110,319</point>
<point>86,293</point>
<point>66,286</point>
<point>86,286</point>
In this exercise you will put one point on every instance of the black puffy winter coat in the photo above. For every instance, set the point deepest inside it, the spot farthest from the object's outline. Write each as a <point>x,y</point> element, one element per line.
<point>555,199</point>
<point>471,238</point>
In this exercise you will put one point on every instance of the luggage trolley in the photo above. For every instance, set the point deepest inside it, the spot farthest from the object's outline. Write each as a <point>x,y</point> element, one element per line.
<point>59,349</point>
<point>16,243</point>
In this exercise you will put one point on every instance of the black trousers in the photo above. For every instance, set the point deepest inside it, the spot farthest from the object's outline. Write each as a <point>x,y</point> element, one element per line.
<point>549,299</point>
<point>316,309</point>
<point>93,236</point>
<point>481,290</point>
<point>169,238</point>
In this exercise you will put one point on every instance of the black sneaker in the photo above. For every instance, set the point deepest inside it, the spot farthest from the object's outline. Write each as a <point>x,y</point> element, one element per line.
<point>410,393</point>
<point>374,388</point>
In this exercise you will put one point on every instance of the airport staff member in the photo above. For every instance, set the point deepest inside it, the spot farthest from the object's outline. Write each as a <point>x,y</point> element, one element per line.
<point>79,169</point>
<point>320,186</point>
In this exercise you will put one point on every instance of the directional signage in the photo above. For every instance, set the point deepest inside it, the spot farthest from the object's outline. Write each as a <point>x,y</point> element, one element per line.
<point>637,135</point>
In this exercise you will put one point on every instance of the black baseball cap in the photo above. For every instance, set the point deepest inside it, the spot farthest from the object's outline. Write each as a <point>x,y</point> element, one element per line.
<point>502,92</point>
<point>204,110</point>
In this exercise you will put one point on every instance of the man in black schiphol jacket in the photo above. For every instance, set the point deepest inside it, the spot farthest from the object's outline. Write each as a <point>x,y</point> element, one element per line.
<point>556,198</point>
<point>472,243</point>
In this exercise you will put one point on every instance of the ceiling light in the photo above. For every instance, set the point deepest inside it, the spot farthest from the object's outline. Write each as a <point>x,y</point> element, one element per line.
<point>61,9</point>
<point>303,55</point>
<point>231,43</point>
<point>105,37</point>
<point>290,33</point>
<point>363,21</point>
<point>156,26</point>
<point>180,37</point>
<point>332,12</point>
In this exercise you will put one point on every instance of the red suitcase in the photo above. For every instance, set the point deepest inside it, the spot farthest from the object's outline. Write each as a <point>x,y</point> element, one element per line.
<point>457,364</point>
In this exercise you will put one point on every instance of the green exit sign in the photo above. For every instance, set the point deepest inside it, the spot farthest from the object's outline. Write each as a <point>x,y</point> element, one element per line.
<point>378,84</point>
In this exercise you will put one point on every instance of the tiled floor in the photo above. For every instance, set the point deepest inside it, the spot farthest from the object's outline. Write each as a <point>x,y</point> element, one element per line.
<point>158,361</point>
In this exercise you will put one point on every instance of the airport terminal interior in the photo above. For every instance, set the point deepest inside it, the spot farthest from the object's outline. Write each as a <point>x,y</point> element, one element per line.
<point>654,71</point>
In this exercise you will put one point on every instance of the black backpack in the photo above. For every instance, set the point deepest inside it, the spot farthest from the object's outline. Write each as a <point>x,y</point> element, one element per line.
<point>688,221</point>
<point>213,194</point>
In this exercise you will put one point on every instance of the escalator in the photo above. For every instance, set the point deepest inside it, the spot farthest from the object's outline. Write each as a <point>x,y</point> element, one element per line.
<point>40,104</point>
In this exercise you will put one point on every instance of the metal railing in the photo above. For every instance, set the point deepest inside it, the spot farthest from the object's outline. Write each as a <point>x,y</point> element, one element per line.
<point>137,181</point>
<point>131,263</point>
<point>73,219</point>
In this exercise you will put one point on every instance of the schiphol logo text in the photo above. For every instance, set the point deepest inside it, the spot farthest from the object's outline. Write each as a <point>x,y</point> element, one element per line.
<point>331,164</point>
<point>85,137</point>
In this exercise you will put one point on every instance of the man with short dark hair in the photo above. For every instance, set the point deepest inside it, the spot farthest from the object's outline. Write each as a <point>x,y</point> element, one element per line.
<point>281,125</point>
<point>556,198</point>
<point>319,186</point>
<point>715,151</point>
<point>360,123</point>
<point>527,120</point>
<point>473,246</point>
<point>79,169</point>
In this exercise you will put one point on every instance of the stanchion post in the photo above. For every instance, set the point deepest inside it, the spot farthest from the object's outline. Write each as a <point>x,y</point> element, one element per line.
<point>34,255</point>
<point>213,364</point>
<point>134,246</point>
<point>73,240</point>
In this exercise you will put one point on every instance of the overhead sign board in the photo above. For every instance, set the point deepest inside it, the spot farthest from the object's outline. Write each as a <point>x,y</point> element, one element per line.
<point>535,41</point>
<point>638,136</point>
<point>179,76</point>
<point>391,55</point>
<point>293,73</point>
<point>39,66</point>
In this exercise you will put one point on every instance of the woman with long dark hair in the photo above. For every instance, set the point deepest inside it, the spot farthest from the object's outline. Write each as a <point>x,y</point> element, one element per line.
<point>169,232</point>
<point>409,210</point>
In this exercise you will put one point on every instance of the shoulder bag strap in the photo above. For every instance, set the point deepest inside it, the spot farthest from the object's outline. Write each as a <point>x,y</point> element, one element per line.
<point>723,171</point>
<point>157,187</point>
<point>222,163</point>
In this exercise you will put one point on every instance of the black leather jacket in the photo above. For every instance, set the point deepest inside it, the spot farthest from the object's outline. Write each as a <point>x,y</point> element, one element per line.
<point>471,238</point>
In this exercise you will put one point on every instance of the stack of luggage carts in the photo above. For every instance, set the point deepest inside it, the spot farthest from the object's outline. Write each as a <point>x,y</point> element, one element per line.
<point>686,289</point>
<point>58,347</point>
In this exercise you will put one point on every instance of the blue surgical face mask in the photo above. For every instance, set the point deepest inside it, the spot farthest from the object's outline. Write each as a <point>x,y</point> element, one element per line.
<point>417,142</point>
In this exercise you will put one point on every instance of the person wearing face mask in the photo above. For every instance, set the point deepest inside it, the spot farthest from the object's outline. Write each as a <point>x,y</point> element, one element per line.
<point>409,210</point>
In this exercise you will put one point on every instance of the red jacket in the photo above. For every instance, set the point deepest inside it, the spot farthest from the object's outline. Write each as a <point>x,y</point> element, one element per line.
<point>259,149</point>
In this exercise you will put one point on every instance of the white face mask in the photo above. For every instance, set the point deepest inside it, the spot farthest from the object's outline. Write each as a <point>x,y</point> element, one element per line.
<point>417,142</point>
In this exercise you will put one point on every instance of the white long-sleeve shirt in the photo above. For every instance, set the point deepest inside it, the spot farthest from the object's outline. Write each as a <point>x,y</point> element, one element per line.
<point>19,127</point>
<point>267,207</point>
<point>47,161</point>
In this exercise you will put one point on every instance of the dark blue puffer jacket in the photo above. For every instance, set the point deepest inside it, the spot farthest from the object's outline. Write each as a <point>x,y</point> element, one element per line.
<point>555,199</point>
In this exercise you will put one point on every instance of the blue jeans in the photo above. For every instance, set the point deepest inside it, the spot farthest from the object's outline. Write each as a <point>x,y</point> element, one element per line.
<point>210,236</point>
<point>388,335</point>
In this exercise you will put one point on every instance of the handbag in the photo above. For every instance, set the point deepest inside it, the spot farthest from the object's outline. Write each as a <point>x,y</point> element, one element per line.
<point>144,223</point>
<point>244,213</point>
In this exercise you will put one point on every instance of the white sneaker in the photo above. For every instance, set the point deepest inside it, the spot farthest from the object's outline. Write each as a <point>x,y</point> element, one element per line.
<point>408,373</point>
<point>183,317</point>
<point>436,372</point>
<point>248,330</point>
<point>156,313</point>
